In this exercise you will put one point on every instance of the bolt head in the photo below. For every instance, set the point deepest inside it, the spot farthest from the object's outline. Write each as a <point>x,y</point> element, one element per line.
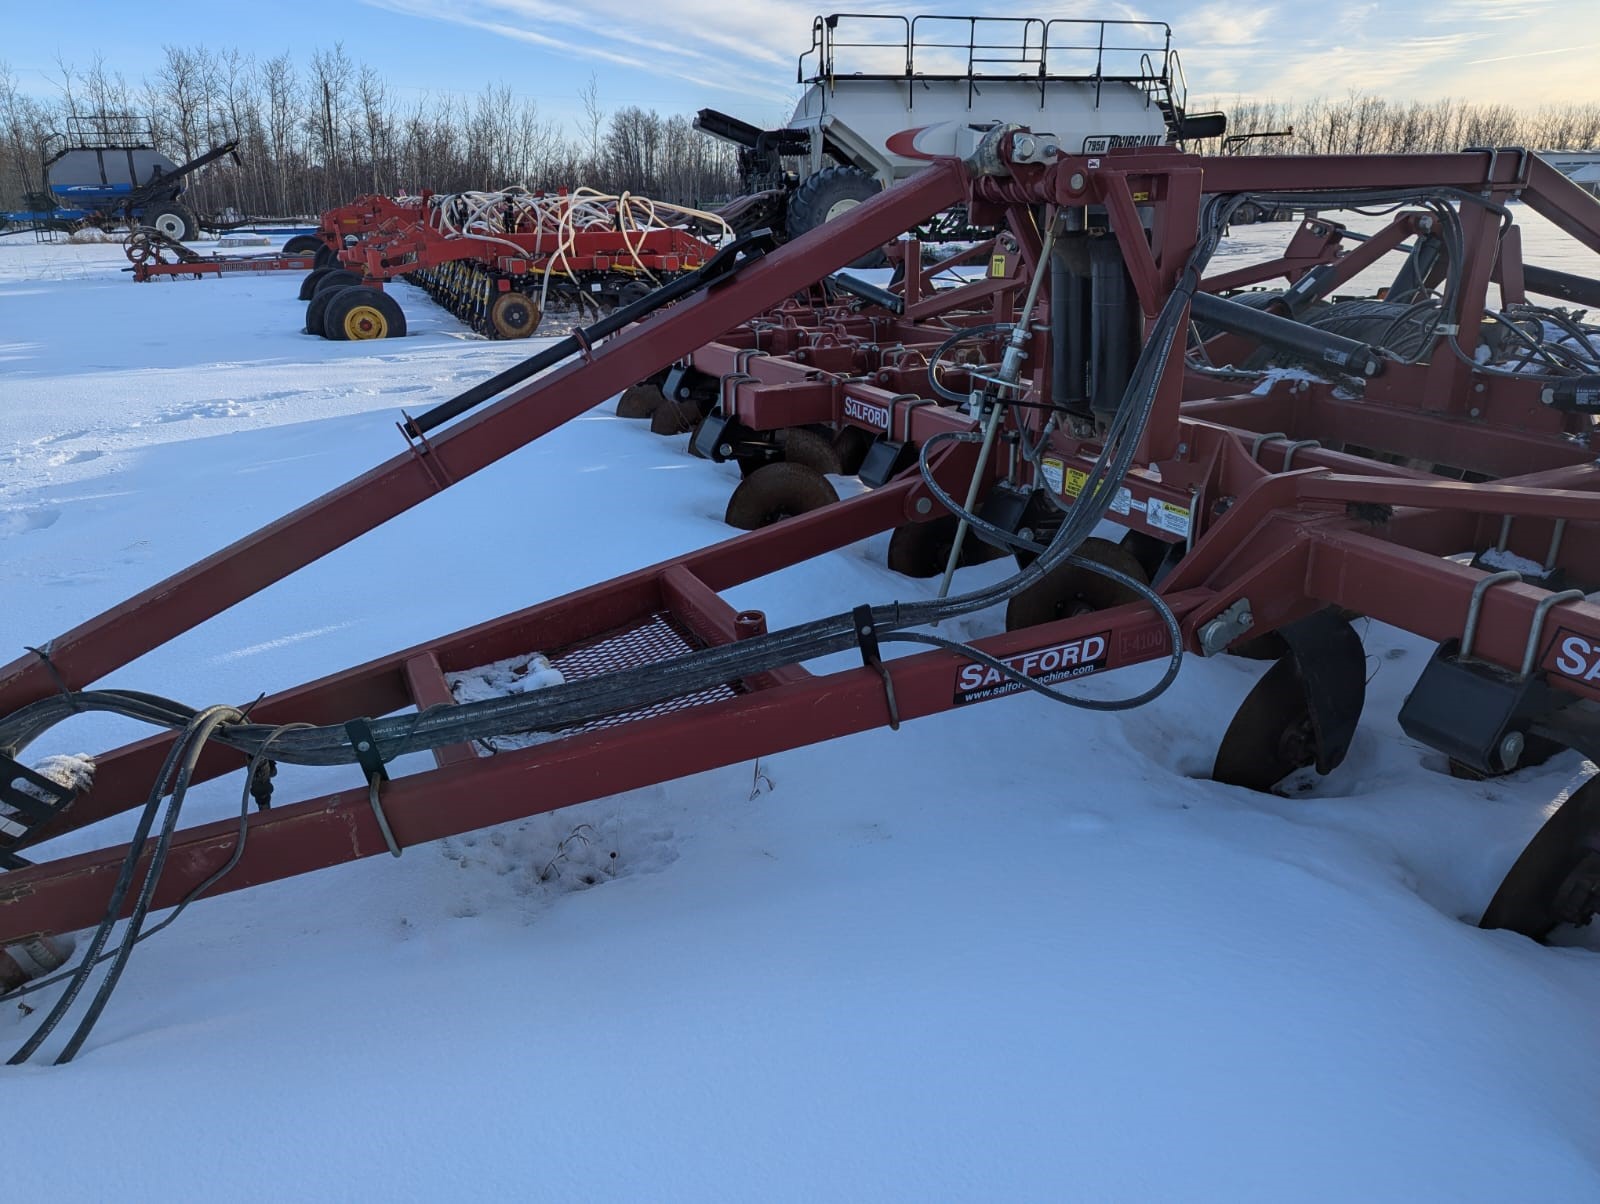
<point>1076,181</point>
<point>1511,750</point>
<point>924,505</point>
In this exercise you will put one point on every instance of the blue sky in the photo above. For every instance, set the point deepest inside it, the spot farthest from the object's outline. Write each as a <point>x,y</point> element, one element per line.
<point>739,55</point>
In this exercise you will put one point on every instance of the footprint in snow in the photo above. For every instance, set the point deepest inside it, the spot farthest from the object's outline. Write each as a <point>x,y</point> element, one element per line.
<point>545,856</point>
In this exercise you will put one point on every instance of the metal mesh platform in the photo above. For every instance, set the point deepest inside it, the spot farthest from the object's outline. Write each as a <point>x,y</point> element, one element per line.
<point>658,638</point>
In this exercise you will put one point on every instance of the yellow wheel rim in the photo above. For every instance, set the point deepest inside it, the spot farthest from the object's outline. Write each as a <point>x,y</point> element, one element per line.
<point>366,322</point>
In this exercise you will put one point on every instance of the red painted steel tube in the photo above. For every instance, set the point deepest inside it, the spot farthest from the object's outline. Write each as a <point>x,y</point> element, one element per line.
<point>89,651</point>
<point>337,828</point>
<point>382,686</point>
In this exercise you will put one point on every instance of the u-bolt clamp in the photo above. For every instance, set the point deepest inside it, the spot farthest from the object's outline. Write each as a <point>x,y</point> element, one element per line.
<point>1536,629</point>
<point>1469,633</point>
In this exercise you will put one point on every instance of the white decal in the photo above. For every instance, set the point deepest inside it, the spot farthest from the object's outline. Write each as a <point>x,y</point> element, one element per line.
<point>1577,657</point>
<point>1123,501</point>
<point>1054,472</point>
<point>1574,656</point>
<point>863,411</point>
<point>1099,144</point>
<point>977,682</point>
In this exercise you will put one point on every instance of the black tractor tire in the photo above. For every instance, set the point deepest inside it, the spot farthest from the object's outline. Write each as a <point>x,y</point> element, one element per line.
<point>303,244</point>
<point>308,286</point>
<point>326,257</point>
<point>776,492</point>
<point>172,219</point>
<point>336,279</point>
<point>359,312</point>
<point>828,194</point>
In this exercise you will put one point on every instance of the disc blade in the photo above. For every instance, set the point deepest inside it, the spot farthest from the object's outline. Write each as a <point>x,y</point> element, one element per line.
<point>1270,736</point>
<point>1557,878</point>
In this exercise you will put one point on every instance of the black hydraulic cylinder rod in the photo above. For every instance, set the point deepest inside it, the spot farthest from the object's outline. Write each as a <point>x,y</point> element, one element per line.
<point>1113,327</point>
<point>869,293</point>
<point>1320,346</point>
<point>1069,324</point>
<point>745,249</point>
<point>1548,282</point>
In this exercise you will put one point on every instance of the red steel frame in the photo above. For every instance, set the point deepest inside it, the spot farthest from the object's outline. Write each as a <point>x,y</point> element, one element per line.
<point>1283,539</point>
<point>237,265</point>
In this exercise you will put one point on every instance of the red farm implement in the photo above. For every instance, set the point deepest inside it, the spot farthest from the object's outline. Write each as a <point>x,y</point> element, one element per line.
<point>499,260</point>
<point>1277,462</point>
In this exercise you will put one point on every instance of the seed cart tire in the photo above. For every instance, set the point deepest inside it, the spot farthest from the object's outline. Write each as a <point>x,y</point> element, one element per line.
<point>172,219</point>
<point>326,257</point>
<point>303,244</point>
<point>827,194</point>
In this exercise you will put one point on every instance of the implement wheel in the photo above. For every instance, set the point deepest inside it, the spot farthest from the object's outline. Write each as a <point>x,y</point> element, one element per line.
<point>777,492</point>
<point>514,316</point>
<point>303,244</point>
<point>359,313</point>
<point>336,279</point>
<point>308,286</point>
<point>1072,589</point>
<point>326,257</point>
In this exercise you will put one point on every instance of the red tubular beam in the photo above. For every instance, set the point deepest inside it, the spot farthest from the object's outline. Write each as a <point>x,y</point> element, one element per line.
<point>337,828</point>
<point>111,640</point>
<point>1429,596</point>
<point>1478,498</point>
<point>381,686</point>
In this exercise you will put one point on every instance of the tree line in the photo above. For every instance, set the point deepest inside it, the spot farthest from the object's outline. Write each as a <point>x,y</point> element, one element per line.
<point>1363,124</point>
<point>313,136</point>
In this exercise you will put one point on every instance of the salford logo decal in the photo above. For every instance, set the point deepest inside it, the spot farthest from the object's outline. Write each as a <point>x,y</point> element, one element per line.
<point>863,411</point>
<point>1577,657</point>
<point>1059,662</point>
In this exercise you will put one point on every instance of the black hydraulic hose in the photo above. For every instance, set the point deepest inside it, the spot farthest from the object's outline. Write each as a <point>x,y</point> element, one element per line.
<point>199,733</point>
<point>119,892</point>
<point>742,250</point>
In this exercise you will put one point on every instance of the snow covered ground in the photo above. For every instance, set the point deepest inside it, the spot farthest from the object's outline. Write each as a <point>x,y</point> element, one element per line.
<point>1010,952</point>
